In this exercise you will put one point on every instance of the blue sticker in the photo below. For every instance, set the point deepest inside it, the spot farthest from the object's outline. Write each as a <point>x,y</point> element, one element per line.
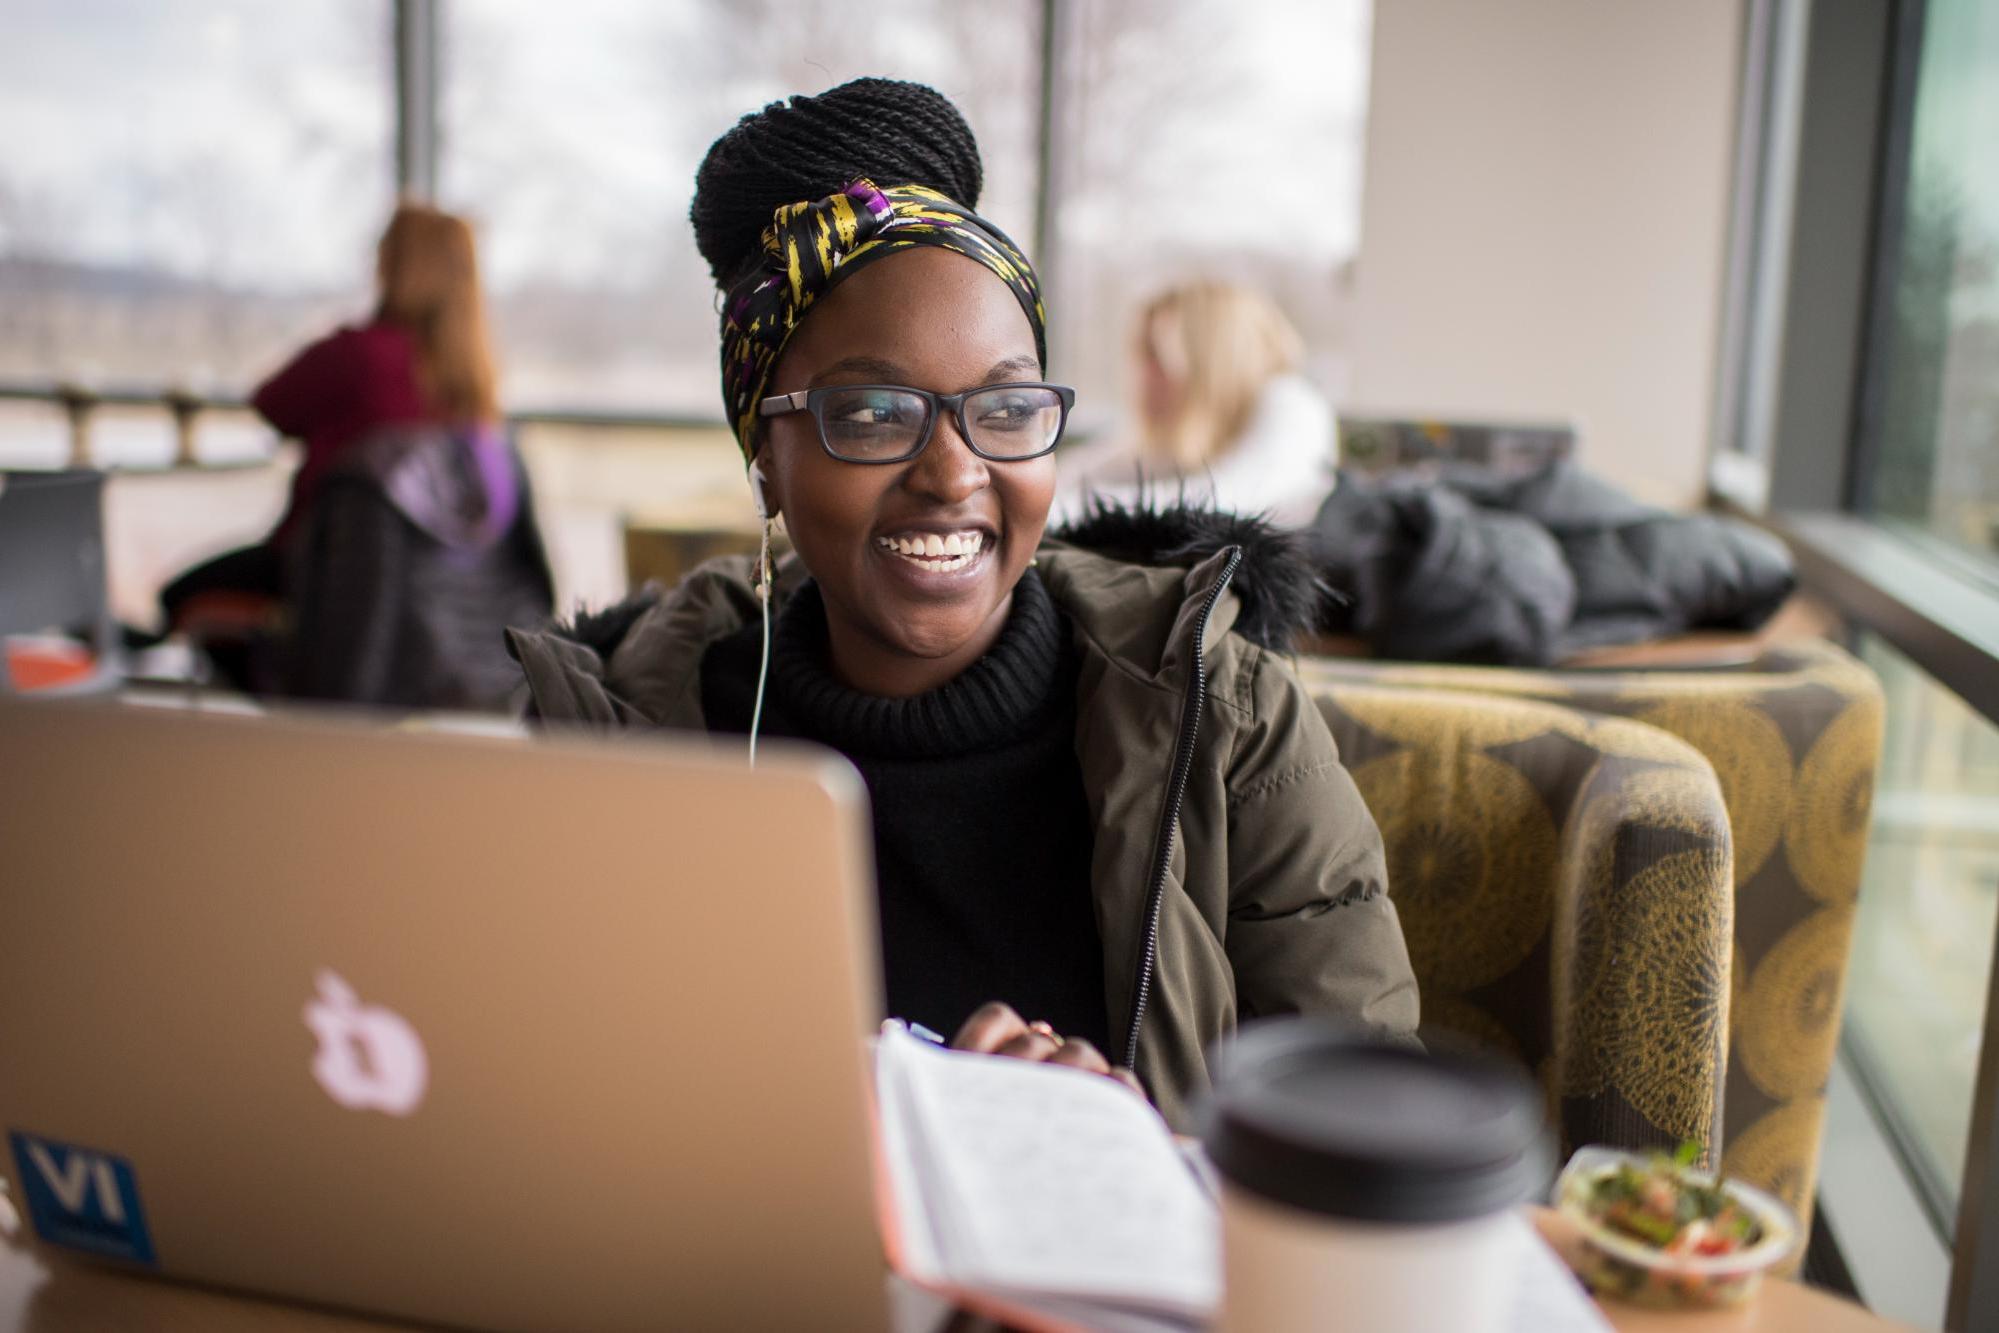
<point>82,1199</point>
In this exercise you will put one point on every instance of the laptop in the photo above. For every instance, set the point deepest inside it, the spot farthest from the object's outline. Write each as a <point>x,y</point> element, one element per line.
<point>486,1033</point>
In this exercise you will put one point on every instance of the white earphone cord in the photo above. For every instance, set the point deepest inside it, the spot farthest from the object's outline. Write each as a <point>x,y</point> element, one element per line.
<point>763,603</point>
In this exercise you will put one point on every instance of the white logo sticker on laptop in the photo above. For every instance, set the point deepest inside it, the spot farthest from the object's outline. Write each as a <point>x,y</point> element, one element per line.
<point>369,1058</point>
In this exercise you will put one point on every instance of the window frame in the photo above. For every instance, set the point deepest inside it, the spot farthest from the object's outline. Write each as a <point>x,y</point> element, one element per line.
<point>1821,370</point>
<point>413,29</point>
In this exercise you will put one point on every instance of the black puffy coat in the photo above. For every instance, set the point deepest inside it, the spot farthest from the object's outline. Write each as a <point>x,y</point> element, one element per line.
<point>1528,570</point>
<point>405,578</point>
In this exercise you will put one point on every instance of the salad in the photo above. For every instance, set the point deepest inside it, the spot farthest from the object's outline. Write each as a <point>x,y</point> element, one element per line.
<point>1656,1202</point>
<point>1658,1232</point>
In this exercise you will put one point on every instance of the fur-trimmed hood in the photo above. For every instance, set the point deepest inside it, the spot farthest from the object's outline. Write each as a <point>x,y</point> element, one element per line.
<point>1276,583</point>
<point>1279,592</point>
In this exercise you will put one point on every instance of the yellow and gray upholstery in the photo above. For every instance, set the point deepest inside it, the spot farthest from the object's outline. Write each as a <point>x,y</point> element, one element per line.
<point>1794,738</point>
<point>1564,882</point>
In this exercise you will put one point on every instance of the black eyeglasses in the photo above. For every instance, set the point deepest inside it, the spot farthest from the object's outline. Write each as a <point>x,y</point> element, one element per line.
<point>888,423</point>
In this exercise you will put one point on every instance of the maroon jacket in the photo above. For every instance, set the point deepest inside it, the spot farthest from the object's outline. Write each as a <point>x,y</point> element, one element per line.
<point>336,392</point>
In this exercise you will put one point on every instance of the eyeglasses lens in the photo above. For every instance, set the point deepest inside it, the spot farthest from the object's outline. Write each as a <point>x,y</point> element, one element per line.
<point>1013,422</point>
<point>868,425</point>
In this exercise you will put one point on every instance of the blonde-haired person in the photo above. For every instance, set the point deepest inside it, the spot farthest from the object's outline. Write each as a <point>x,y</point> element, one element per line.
<point>424,356</point>
<point>1225,417</point>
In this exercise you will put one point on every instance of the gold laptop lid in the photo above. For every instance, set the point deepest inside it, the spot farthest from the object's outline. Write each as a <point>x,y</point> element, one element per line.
<point>501,1034</point>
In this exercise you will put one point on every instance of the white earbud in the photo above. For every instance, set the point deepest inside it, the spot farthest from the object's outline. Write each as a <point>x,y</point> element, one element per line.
<point>756,475</point>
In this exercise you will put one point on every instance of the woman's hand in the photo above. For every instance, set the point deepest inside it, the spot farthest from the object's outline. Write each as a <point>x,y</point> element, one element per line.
<point>995,1029</point>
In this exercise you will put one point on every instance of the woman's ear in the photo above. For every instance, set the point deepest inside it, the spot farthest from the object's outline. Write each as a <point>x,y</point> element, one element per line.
<point>765,493</point>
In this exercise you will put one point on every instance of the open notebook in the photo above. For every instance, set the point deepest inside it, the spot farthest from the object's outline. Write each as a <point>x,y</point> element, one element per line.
<point>1038,1194</point>
<point>1053,1199</point>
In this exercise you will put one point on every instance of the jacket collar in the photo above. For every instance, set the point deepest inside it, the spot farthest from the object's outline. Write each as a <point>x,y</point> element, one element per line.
<point>1277,594</point>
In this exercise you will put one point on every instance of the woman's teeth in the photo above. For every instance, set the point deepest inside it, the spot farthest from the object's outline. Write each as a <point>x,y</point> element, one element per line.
<point>940,553</point>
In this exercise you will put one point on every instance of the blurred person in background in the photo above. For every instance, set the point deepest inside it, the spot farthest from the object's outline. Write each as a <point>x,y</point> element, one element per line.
<point>424,357</point>
<point>1225,418</point>
<point>409,544</point>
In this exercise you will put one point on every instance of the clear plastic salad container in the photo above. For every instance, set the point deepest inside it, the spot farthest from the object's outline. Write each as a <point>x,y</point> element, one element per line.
<point>1683,1259</point>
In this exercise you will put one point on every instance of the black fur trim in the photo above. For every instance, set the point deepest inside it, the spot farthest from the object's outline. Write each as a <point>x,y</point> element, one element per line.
<point>602,631</point>
<point>1277,583</point>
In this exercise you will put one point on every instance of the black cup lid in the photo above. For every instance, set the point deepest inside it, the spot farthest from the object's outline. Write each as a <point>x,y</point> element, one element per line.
<point>1322,1118</point>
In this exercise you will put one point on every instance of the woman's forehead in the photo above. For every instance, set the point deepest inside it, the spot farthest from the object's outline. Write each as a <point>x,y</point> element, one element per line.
<point>944,319</point>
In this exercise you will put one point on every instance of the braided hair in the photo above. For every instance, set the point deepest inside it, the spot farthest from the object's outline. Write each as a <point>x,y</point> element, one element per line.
<point>892,132</point>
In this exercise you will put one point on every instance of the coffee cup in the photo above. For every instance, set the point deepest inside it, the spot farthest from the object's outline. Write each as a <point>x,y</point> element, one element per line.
<point>1369,1185</point>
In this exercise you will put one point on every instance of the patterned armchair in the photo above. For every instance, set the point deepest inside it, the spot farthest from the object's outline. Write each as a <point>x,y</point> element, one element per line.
<point>1565,886</point>
<point>1794,737</point>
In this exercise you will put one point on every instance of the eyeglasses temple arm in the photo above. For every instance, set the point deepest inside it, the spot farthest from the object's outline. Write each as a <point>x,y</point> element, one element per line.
<point>784,402</point>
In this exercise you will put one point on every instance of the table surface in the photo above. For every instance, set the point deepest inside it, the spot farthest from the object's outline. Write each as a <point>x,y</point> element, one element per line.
<point>37,1296</point>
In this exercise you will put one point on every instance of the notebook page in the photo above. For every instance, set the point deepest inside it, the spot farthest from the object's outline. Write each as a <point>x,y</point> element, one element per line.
<point>917,1245</point>
<point>1548,1297</point>
<point>1041,1179</point>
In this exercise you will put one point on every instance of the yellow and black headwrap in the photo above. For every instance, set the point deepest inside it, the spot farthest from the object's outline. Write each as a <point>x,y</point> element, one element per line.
<point>813,244</point>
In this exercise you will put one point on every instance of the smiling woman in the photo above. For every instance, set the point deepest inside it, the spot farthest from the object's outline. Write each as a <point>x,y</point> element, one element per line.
<point>1098,792</point>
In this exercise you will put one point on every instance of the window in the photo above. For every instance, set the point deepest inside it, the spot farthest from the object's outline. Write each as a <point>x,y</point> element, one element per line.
<point>1859,409</point>
<point>214,193</point>
<point>1927,468</point>
<point>188,192</point>
<point>571,135</point>
<point>207,192</point>
<point>1929,902</point>
<point>1203,140</point>
<point>1935,466</point>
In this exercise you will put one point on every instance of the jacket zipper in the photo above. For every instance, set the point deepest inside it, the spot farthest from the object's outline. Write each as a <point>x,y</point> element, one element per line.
<point>1176,792</point>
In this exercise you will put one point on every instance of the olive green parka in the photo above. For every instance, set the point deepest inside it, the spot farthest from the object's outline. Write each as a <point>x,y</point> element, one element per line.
<point>1235,869</point>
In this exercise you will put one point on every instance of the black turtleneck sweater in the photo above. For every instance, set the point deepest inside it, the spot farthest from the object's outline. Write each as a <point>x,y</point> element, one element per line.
<point>982,829</point>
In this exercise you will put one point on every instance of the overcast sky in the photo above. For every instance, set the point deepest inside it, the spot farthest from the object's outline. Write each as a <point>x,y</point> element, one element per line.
<point>214,137</point>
